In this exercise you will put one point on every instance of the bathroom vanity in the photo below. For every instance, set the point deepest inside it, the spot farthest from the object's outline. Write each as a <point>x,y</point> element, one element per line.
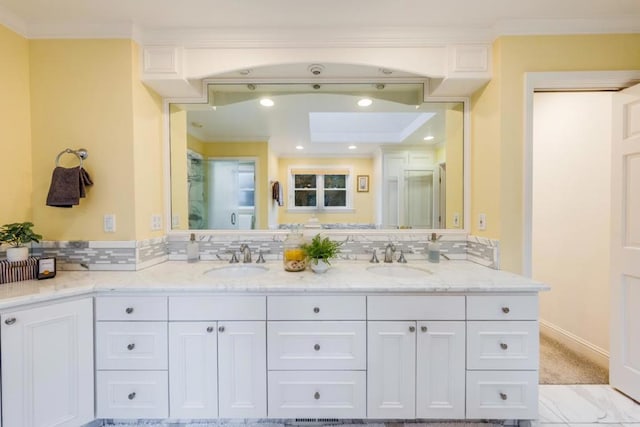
<point>453,340</point>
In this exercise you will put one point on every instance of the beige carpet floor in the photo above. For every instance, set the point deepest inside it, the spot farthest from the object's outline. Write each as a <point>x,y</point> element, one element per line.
<point>560,365</point>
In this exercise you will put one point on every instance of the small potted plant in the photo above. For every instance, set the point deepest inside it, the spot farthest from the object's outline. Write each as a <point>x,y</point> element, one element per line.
<point>320,251</point>
<point>16,235</point>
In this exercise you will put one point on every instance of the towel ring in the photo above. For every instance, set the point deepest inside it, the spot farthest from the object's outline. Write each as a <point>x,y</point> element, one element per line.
<point>81,154</point>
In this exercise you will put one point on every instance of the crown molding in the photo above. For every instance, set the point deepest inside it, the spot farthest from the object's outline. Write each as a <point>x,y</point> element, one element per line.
<point>82,31</point>
<point>12,22</point>
<point>626,25</point>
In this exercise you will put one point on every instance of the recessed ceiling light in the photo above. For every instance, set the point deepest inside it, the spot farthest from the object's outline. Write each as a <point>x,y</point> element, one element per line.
<point>428,138</point>
<point>352,147</point>
<point>365,102</point>
<point>299,147</point>
<point>266,102</point>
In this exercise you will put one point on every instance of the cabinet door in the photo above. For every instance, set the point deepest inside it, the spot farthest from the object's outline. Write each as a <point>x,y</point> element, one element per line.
<point>47,365</point>
<point>193,370</point>
<point>391,369</point>
<point>242,369</point>
<point>440,365</point>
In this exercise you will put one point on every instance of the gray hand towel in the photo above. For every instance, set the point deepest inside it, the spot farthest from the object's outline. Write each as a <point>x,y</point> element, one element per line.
<point>67,186</point>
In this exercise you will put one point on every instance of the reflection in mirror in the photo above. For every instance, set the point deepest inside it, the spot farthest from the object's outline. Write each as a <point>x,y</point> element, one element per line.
<point>333,156</point>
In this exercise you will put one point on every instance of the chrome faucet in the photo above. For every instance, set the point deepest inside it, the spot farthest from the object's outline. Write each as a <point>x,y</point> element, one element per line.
<point>388,252</point>
<point>246,253</point>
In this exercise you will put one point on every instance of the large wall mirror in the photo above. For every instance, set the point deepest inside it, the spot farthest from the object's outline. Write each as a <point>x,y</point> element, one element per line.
<point>355,155</point>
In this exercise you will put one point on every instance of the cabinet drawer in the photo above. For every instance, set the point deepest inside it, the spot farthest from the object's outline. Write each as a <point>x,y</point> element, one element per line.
<point>131,345</point>
<point>317,345</point>
<point>131,308</point>
<point>508,307</point>
<point>415,308</point>
<point>325,394</point>
<point>316,308</point>
<point>217,308</point>
<point>132,394</point>
<point>502,345</point>
<point>502,395</point>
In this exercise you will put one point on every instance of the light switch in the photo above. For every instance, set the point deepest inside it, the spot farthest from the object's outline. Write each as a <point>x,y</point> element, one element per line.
<point>175,220</point>
<point>156,222</point>
<point>109,223</point>
<point>456,219</point>
<point>482,221</point>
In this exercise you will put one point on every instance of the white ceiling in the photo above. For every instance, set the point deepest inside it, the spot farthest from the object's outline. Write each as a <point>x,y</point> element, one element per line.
<point>146,20</point>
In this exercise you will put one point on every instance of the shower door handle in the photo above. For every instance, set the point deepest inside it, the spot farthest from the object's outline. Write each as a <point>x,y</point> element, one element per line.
<point>233,218</point>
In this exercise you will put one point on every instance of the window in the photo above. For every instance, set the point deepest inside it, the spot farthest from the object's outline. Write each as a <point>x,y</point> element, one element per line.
<point>324,189</point>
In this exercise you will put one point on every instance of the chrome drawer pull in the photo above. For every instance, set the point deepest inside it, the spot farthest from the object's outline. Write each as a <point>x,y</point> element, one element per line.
<point>316,347</point>
<point>316,309</point>
<point>412,328</point>
<point>10,321</point>
<point>316,396</point>
<point>505,310</point>
<point>503,396</point>
<point>209,329</point>
<point>132,396</point>
<point>504,346</point>
<point>423,329</point>
<point>129,310</point>
<point>131,346</point>
<point>221,329</point>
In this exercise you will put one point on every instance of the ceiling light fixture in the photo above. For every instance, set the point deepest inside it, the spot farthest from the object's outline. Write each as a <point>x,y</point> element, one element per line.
<point>316,69</point>
<point>365,102</point>
<point>380,86</point>
<point>385,71</point>
<point>245,72</point>
<point>428,138</point>
<point>299,147</point>
<point>352,147</point>
<point>251,86</point>
<point>266,102</point>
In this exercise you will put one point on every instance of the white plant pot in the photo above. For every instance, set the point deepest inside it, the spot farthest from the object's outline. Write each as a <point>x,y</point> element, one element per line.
<point>320,267</point>
<point>17,254</point>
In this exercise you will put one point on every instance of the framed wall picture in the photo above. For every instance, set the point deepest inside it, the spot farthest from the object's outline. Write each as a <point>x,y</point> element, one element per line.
<point>363,183</point>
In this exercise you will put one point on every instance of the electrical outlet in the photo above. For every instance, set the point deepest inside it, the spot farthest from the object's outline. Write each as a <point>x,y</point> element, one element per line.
<point>482,221</point>
<point>456,219</point>
<point>175,220</point>
<point>156,222</point>
<point>109,223</point>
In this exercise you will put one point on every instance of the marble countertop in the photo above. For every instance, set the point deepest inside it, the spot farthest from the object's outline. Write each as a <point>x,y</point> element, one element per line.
<point>344,277</point>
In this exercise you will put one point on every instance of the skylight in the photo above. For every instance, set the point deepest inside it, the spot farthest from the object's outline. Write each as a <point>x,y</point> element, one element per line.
<point>365,127</point>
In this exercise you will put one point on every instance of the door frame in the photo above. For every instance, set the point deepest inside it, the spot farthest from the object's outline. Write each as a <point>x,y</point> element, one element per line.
<point>558,81</point>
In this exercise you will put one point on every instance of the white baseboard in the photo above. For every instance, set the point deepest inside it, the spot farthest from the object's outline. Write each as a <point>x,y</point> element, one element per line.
<point>582,347</point>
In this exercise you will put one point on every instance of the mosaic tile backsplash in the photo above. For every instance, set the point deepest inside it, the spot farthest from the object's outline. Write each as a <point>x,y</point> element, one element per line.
<point>136,255</point>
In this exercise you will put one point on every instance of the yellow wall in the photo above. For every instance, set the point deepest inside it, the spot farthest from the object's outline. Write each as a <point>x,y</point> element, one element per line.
<point>497,122</point>
<point>259,150</point>
<point>455,164</point>
<point>15,132</point>
<point>179,196</point>
<point>362,202</point>
<point>85,93</point>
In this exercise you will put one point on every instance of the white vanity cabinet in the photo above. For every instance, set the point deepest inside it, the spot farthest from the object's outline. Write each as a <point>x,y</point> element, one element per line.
<point>131,357</point>
<point>317,356</point>
<point>47,365</point>
<point>218,356</point>
<point>502,356</point>
<point>416,357</point>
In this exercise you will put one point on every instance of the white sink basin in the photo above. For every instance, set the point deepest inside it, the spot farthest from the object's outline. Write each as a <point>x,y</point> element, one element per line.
<point>398,270</point>
<point>237,271</point>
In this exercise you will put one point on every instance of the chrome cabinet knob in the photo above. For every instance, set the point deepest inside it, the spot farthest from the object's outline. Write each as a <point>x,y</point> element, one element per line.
<point>316,309</point>
<point>504,346</point>
<point>221,329</point>
<point>505,310</point>
<point>412,328</point>
<point>209,329</point>
<point>423,329</point>
<point>503,396</point>
<point>316,395</point>
<point>10,321</point>
<point>132,395</point>
<point>131,346</point>
<point>316,347</point>
<point>129,310</point>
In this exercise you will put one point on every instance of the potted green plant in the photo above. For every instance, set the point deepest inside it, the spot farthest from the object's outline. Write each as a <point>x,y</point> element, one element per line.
<point>16,235</point>
<point>319,251</point>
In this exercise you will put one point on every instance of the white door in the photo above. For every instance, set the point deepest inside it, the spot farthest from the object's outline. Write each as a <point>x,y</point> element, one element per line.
<point>440,362</point>
<point>391,370</point>
<point>624,364</point>
<point>242,369</point>
<point>223,194</point>
<point>47,365</point>
<point>193,370</point>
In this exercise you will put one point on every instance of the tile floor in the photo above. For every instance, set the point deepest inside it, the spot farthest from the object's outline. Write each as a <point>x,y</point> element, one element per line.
<point>586,405</point>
